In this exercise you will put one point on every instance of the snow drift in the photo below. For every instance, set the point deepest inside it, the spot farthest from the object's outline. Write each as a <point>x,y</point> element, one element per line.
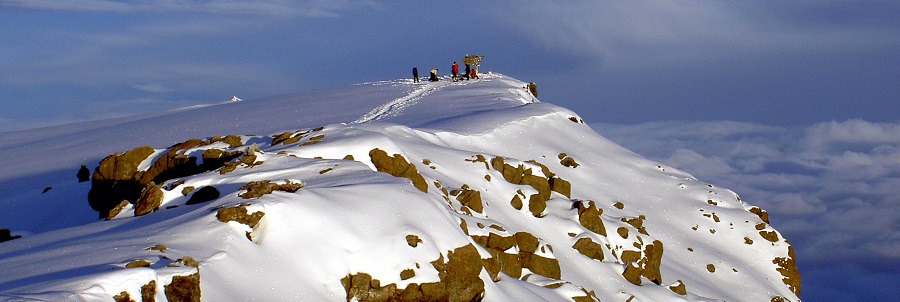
<point>393,190</point>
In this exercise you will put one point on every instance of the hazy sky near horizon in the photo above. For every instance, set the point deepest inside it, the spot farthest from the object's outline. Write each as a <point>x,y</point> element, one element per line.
<point>776,63</point>
<point>783,74</point>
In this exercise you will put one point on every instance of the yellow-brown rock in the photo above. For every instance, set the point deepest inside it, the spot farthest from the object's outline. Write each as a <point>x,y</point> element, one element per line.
<point>589,217</point>
<point>150,200</point>
<point>789,271</point>
<point>589,248</point>
<point>398,166</point>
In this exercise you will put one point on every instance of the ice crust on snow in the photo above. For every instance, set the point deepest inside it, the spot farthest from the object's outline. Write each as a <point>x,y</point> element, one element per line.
<point>348,218</point>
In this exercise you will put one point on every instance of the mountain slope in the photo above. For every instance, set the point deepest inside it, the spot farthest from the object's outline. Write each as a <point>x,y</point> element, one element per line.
<point>446,190</point>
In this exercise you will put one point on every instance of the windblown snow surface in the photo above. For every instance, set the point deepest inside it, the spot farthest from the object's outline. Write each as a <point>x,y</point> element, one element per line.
<point>612,226</point>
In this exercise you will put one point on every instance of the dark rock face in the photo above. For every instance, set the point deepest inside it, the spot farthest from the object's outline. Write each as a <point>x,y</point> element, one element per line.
<point>6,235</point>
<point>204,194</point>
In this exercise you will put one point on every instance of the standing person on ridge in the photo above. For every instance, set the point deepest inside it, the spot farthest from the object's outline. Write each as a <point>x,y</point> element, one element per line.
<point>415,74</point>
<point>468,70</point>
<point>455,71</point>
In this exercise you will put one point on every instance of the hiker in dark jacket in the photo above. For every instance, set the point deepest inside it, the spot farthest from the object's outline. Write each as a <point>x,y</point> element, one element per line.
<point>468,70</point>
<point>415,74</point>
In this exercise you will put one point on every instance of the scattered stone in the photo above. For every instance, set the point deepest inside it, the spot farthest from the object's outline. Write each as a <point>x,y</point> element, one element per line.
<point>761,213</point>
<point>679,288</point>
<point>516,202</point>
<point>769,235</point>
<point>589,217</point>
<point>159,247</point>
<point>470,198</point>
<point>568,162</point>
<point>138,263</point>
<point>619,205</point>
<point>413,240</point>
<point>711,268</point>
<point>187,190</point>
<point>184,288</point>
<point>407,273</point>
<point>589,248</point>
<point>47,189</point>
<point>256,189</point>
<point>239,214</point>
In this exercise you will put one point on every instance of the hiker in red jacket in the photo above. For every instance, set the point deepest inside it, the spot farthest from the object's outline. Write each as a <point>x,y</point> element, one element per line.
<point>455,71</point>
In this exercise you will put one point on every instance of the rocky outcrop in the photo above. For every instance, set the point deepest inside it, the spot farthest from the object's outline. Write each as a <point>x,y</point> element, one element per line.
<point>589,217</point>
<point>255,189</point>
<point>469,198</point>
<point>789,271</point>
<point>241,215</point>
<point>149,200</point>
<point>6,235</point>
<point>398,166</point>
<point>118,178</point>
<point>520,175</point>
<point>589,248</point>
<point>458,275</point>
<point>512,264</point>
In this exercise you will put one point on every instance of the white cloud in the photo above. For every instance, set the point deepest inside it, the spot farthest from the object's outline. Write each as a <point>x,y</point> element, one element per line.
<point>262,7</point>
<point>645,34</point>
<point>151,87</point>
<point>853,131</point>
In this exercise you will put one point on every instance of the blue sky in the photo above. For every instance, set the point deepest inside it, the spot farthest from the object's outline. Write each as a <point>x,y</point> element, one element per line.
<point>784,69</point>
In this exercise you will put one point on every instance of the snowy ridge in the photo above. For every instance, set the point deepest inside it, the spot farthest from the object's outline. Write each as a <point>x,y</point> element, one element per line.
<point>449,191</point>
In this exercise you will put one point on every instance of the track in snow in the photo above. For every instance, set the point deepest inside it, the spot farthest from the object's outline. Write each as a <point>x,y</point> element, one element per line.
<point>394,107</point>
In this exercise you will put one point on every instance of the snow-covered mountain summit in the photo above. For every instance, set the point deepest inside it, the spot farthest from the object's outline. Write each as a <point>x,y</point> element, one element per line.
<point>393,190</point>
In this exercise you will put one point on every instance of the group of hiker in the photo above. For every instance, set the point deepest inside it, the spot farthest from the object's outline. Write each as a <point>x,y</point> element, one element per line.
<point>470,73</point>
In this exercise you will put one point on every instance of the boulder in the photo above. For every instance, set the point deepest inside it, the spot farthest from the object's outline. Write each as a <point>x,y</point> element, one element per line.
<point>204,194</point>
<point>184,288</point>
<point>150,200</point>
<point>6,235</point>
<point>398,166</point>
